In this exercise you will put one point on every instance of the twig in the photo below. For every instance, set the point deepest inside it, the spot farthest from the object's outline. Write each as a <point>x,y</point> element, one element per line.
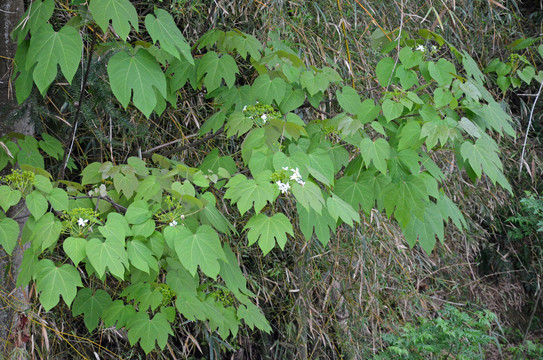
<point>528,129</point>
<point>119,208</point>
<point>77,112</point>
<point>148,154</point>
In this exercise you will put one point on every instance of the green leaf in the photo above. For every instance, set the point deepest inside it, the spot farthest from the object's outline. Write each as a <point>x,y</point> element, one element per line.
<point>51,146</point>
<point>405,198</point>
<point>247,193</point>
<point>238,124</point>
<point>322,223</point>
<point>147,189</point>
<point>138,212</point>
<point>425,230</point>
<point>144,295</point>
<point>109,254</point>
<point>449,210</point>
<point>314,83</point>
<point>49,49</point>
<point>91,305</point>
<point>58,199</point>
<point>268,90</point>
<point>408,78</point>
<point>244,44</point>
<point>43,184</point>
<point>409,136</point>
<point>252,316</point>
<point>232,275</point>
<point>483,156</point>
<point>309,195</point>
<point>118,314</point>
<point>339,208</point>
<point>321,166</point>
<point>8,197</point>
<point>410,58</point>
<point>9,234</point>
<point>121,12</point>
<point>214,217</point>
<point>140,256</point>
<point>139,73</point>
<point>472,69</point>
<point>37,204</point>
<point>91,174</point>
<point>148,331</point>
<point>384,70</point>
<point>46,232</point>
<point>180,72</point>
<point>356,193</point>
<point>442,97</point>
<point>36,15</point>
<point>163,29</point>
<point>53,281</point>
<point>495,118</point>
<point>75,248</point>
<point>202,248</point>
<point>392,110</point>
<point>127,184</point>
<point>293,99</point>
<point>443,72</point>
<point>215,69</point>
<point>377,151</point>
<point>267,230</point>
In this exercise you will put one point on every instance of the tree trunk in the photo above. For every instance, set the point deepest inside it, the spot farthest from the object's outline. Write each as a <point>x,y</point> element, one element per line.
<point>12,301</point>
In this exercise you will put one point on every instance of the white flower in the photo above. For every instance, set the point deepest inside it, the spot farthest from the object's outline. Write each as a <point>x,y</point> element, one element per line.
<point>173,223</point>
<point>82,222</point>
<point>283,187</point>
<point>102,190</point>
<point>421,48</point>
<point>264,118</point>
<point>285,168</point>
<point>182,217</point>
<point>301,182</point>
<point>245,108</point>
<point>295,175</point>
<point>434,48</point>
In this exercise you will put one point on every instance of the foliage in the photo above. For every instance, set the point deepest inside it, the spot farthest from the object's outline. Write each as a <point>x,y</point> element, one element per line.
<point>142,223</point>
<point>452,334</point>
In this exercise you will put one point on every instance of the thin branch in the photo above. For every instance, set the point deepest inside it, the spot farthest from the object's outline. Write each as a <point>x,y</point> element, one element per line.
<point>148,153</point>
<point>78,111</point>
<point>528,129</point>
<point>121,209</point>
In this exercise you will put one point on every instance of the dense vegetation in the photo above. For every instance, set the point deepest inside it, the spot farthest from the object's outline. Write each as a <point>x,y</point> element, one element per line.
<point>274,180</point>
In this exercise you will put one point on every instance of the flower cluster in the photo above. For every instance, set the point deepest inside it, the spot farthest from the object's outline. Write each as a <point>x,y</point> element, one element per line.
<point>171,213</point>
<point>99,191</point>
<point>283,180</point>
<point>260,113</point>
<point>422,48</point>
<point>78,222</point>
<point>20,180</point>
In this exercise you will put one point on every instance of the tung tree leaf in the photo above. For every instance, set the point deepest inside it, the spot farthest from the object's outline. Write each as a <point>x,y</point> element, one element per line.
<point>202,248</point>
<point>252,316</point>
<point>216,68</point>
<point>268,90</point>
<point>91,305</point>
<point>267,230</point>
<point>75,249</point>
<point>8,197</point>
<point>405,198</point>
<point>163,29</point>
<point>139,73</point>
<point>425,230</point>
<point>9,234</point>
<point>53,281</point>
<point>49,49</point>
<point>121,12</point>
<point>377,151</point>
<point>246,192</point>
<point>147,330</point>
<point>110,254</point>
<point>322,223</point>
